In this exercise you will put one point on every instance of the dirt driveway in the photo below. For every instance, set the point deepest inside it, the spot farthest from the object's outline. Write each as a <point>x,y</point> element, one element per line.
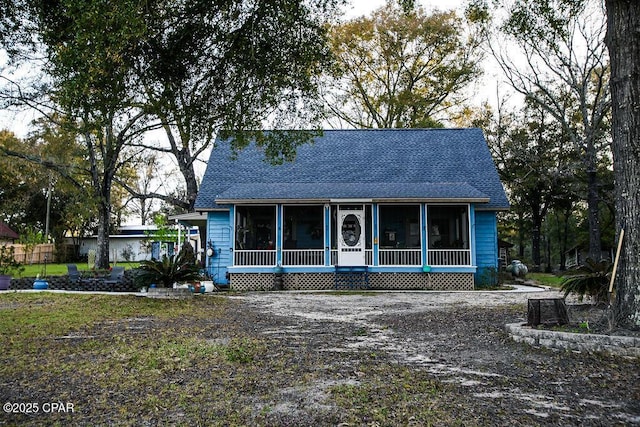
<point>457,338</point>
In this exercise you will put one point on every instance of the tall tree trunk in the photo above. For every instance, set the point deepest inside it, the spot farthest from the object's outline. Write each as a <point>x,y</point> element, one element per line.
<point>593,209</point>
<point>102,179</point>
<point>104,217</point>
<point>564,235</point>
<point>102,252</point>
<point>535,242</point>
<point>520,235</point>
<point>538,212</point>
<point>188,172</point>
<point>185,160</point>
<point>623,40</point>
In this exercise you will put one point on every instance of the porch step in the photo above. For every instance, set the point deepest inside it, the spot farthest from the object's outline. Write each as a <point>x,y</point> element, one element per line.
<point>351,277</point>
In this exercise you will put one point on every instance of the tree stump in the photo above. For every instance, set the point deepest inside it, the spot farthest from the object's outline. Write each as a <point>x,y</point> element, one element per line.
<point>547,311</point>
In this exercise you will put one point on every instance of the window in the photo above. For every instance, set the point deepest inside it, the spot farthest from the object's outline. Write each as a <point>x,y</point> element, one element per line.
<point>255,227</point>
<point>399,226</point>
<point>448,227</point>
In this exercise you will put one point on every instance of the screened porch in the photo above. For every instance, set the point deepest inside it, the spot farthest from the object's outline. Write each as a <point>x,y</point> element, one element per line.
<point>409,235</point>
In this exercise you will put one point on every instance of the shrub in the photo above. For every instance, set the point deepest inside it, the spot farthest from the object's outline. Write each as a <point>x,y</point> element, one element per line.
<point>591,279</point>
<point>8,263</point>
<point>169,270</point>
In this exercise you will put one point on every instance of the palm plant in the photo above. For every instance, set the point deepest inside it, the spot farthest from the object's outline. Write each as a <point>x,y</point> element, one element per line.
<point>168,270</point>
<point>591,279</point>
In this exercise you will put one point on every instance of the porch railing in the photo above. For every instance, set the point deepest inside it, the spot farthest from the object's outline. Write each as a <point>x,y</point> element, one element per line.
<point>449,256</point>
<point>400,256</point>
<point>261,257</point>
<point>303,257</point>
<point>387,257</point>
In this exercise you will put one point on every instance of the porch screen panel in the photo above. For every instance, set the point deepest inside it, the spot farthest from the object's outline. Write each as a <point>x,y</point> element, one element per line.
<point>303,235</point>
<point>255,235</point>
<point>399,234</point>
<point>448,235</point>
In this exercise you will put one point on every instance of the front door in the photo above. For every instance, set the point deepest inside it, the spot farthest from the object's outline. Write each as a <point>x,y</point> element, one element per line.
<point>351,232</point>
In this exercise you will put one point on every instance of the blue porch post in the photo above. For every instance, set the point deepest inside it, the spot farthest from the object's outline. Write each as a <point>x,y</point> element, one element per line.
<point>424,230</point>
<point>472,232</point>
<point>232,224</point>
<point>327,235</point>
<point>279,209</point>
<point>376,234</point>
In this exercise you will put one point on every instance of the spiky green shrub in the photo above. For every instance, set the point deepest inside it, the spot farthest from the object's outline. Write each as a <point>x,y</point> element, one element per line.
<point>591,279</point>
<point>168,270</point>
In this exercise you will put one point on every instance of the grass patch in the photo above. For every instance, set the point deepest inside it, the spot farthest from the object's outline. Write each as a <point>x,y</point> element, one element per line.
<point>32,315</point>
<point>242,350</point>
<point>125,360</point>
<point>32,270</point>
<point>546,279</point>
<point>391,395</point>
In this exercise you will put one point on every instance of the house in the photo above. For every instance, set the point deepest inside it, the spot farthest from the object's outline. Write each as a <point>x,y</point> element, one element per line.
<point>7,235</point>
<point>408,208</point>
<point>141,242</point>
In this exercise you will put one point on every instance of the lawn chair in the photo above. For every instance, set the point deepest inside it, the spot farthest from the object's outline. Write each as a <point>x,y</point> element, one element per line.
<point>115,278</point>
<point>74,276</point>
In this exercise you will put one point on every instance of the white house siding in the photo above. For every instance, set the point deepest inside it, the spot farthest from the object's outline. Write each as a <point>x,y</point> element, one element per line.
<point>139,247</point>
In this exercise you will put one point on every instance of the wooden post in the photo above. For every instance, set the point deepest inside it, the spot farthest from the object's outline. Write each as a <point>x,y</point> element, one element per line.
<point>615,262</point>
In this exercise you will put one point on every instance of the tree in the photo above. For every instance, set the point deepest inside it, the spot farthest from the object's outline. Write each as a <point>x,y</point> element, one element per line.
<point>21,183</point>
<point>147,182</point>
<point>523,144</point>
<point>121,69</point>
<point>553,55</point>
<point>87,45</point>
<point>623,28</point>
<point>400,68</point>
<point>25,182</point>
<point>209,66</point>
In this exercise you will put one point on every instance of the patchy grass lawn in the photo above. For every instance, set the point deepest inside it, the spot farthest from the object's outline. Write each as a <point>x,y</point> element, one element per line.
<point>546,279</point>
<point>126,360</point>
<point>32,270</point>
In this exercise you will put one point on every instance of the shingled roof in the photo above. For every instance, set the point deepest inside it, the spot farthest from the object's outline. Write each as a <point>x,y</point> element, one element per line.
<point>432,165</point>
<point>6,233</point>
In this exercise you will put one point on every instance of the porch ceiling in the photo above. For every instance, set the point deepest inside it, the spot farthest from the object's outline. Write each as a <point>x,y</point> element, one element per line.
<point>324,192</point>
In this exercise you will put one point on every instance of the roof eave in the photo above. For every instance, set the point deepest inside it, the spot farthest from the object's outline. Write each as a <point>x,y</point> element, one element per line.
<point>351,200</point>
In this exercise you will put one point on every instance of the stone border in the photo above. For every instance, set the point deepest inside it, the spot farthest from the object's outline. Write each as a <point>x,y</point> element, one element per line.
<point>611,344</point>
<point>168,293</point>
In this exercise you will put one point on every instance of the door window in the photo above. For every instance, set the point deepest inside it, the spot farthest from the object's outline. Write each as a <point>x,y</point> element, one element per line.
<point>351,230</point>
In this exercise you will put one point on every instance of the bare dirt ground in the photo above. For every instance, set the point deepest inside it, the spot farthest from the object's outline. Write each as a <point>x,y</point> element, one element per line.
<point>456,338</point>
<point>303,359</point>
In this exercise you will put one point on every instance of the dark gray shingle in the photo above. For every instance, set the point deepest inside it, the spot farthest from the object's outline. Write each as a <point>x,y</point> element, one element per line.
<point>372,163</point>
